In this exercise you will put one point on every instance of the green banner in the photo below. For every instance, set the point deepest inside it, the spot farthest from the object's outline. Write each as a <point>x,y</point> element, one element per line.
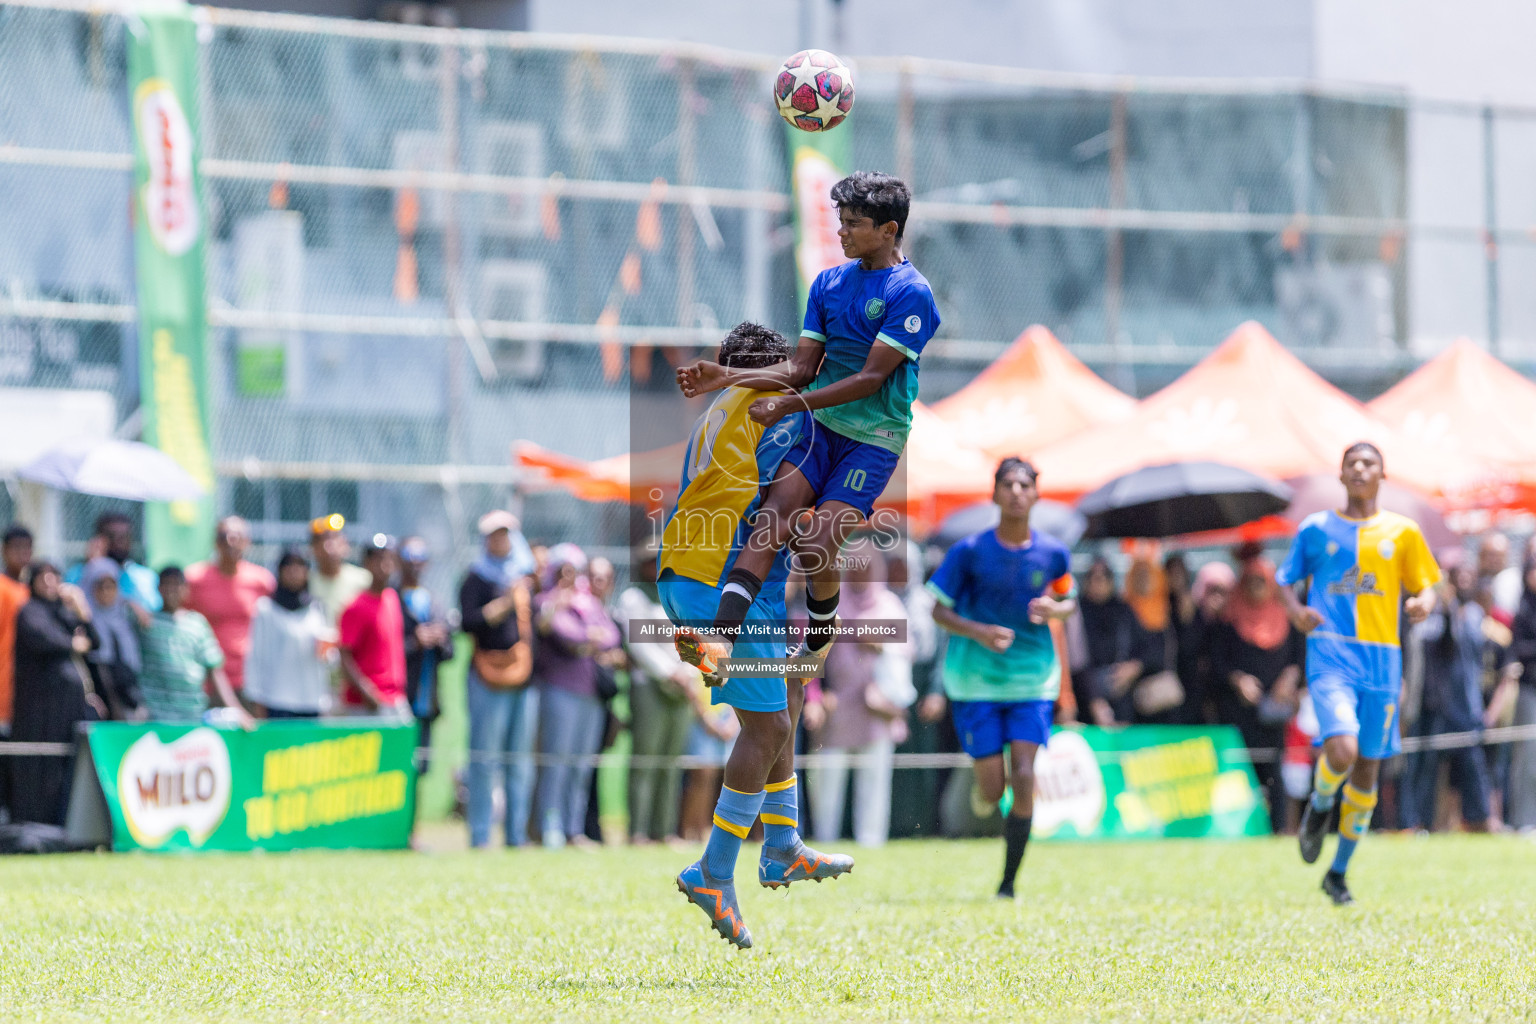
<point>286,785</point>
<point>1146,781</point>
<point>169,229</point>
<point>817,161</point>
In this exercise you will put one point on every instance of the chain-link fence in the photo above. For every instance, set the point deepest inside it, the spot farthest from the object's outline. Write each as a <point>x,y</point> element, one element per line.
<point>426,243</point>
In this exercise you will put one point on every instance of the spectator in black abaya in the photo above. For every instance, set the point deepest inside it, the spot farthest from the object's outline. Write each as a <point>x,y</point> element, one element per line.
<point>53,634</point>
<point>1109,667</point>
<point>1198,625</point>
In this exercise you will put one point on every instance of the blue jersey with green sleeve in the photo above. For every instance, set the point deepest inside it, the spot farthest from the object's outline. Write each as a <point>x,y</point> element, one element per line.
<point>987,581</point>
<point>850,309</point>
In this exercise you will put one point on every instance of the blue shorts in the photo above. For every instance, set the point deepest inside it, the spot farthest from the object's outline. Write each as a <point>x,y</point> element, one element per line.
<point>985,727</point>
<point>1344,709</point>
<point>842,469</point>
<point>689,602</point>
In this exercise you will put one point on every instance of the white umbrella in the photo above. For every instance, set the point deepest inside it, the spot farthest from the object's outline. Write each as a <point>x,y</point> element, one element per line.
<point>113,469</point>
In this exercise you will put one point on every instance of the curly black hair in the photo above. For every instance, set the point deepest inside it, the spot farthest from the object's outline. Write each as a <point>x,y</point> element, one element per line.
<point>1012,463</point>
<point>874,194</point>
<point>752,346</point>
<point>1367,446</point>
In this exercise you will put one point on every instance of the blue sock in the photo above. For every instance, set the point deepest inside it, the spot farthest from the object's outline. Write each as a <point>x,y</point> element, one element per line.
<point>1354,819</point>
<point>781,814</point>
<point>1326,781</point>
<point>734,814</point>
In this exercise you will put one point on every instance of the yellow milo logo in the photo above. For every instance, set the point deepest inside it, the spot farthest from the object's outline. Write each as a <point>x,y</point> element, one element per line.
<point>178,421</point>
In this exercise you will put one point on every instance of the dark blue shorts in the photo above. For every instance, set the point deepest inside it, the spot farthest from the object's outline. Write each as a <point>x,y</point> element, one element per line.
<point>842,469</point>
<point>985,727</point>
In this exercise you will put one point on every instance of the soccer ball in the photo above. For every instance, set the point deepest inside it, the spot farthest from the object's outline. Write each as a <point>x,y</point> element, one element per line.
<point>813,90</point>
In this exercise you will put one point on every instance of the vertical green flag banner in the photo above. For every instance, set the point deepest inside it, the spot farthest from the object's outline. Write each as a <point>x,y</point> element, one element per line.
<point>1146,781</point>
<point>287,785</point>
<point>817,161</point>
<point>169,229</point>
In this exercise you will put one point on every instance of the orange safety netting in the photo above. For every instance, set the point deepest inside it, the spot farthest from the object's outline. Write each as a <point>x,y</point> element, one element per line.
<point>1034,394</point>
<point>1250,403</point>
<point>1467,399</point>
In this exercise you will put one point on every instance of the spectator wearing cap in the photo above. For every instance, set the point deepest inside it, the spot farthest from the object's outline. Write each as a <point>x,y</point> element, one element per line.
<point>336,582</point>
<point>137,584</point>
<point>494,609</point>
<point>574,631</point>
<point>371,635</point>
<point>287,667</point>
<point>428,640</point>
<point>225,590</point>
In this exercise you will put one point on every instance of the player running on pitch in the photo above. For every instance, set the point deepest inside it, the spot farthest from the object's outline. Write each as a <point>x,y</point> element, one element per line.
<point>730,459</point>
<point>866,322</point>
<point>997,592</point>
<point>1355,563</point>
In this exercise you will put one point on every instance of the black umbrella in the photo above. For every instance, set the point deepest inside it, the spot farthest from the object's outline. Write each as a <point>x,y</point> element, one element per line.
<point>1060,521</point>
<point>1179,498</point>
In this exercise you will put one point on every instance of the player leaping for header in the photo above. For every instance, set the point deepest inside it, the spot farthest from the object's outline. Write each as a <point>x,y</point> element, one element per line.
<point>866,323</point>
<point>1355,563</point>
<point>730,458</point>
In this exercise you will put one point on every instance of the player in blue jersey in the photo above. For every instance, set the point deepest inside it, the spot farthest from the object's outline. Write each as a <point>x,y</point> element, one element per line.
<point>730,459</point>
<point>1356,564</point>
<point>997,592</point>
<point>866,323</point>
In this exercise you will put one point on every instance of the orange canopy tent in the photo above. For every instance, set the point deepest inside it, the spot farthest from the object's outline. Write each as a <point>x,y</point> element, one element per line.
<point>1468,399</point>
<point>939,473</point>
<point>1250,403</point>
<point>1034,394</point>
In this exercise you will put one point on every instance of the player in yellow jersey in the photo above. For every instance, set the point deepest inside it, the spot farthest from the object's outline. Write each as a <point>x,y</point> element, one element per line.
<point>1356,563</point>
<point>730,459</point>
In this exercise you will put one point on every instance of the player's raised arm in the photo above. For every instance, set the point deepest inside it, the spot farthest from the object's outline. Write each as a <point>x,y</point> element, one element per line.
<point>703,376</point>
<point>882,362</point>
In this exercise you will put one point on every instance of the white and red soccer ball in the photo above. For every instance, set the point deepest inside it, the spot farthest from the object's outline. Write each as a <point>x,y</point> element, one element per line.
<point>814,90</point>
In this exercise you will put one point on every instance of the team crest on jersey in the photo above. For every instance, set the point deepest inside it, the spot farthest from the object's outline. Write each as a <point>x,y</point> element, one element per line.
<point>1355,584</point>
<point>874,307</point>
<point>1386,548</point>
<point>1037,579</point>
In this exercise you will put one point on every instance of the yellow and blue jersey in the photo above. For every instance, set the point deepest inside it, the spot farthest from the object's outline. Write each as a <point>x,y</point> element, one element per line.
<point>1357,570</point>
<point>730,458</point>
<point>848,310</point>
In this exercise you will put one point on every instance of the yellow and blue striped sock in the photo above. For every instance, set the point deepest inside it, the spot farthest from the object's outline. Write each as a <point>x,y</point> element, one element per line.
<point>1326,781</point>
<point>1354,820</point>
<point>781,814</point>
<point>734,814</point>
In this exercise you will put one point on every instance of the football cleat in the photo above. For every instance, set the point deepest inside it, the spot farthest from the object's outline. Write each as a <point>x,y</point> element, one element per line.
<point>1333,885</point>
<point>702,653</point>
<point>781,866</point>
<point>717,898</point>
<point>1311,832</point>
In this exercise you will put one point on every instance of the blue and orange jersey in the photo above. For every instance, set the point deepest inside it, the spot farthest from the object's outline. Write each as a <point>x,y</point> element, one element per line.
<point>729,460</point>
<point>1357,571</point>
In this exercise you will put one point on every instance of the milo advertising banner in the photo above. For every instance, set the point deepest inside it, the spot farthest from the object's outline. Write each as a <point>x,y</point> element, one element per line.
<point>282,786</point>
<point>169,230</point>
<point>817,161</point>
<point>1146,781</point>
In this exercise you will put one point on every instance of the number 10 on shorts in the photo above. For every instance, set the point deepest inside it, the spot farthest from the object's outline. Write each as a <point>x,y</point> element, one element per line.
<point>854,481</point>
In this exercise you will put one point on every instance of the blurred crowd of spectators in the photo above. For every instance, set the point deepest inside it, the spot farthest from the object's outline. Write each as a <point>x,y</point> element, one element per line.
<point>554,675</point>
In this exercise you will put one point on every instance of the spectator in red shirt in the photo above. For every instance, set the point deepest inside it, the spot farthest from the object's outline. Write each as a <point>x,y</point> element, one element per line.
<point>372,639</point>
<point>225,590</point>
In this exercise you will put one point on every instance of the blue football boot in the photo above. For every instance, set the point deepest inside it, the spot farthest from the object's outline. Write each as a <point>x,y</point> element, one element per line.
<point>783,865</point>
<point>717,898</point>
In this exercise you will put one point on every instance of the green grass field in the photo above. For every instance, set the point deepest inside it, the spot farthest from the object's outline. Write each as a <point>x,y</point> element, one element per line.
<point>1445,930</point>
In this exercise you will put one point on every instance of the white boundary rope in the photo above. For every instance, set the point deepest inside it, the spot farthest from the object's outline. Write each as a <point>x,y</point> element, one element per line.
<point>1254,755</point>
